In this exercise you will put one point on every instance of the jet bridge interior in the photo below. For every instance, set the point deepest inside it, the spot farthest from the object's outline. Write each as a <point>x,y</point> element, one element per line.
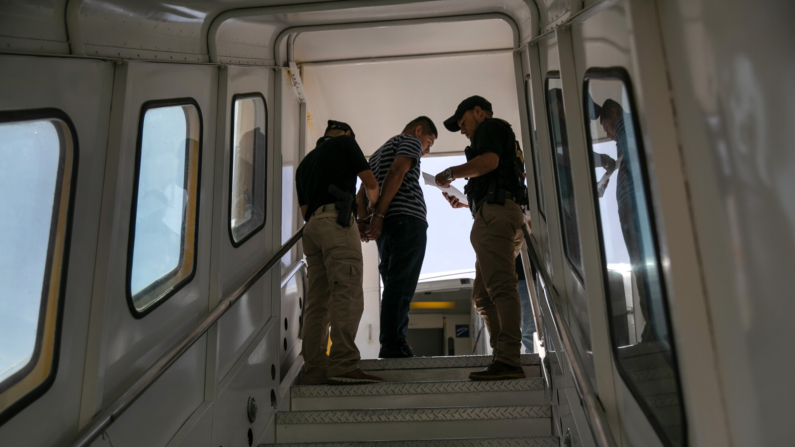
<point>152,276</point>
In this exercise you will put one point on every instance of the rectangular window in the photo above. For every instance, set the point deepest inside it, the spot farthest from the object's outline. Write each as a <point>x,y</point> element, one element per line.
<point>249,166</point>
<point>640,324</point>
<point>534,151</point>
<point>164,218</point>
<point>38,159</point>
<point>562,161</point>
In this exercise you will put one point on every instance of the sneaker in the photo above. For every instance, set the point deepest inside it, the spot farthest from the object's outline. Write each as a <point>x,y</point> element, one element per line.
<point>355,376</point>
<point>406,348</point>
<point>498,371</point>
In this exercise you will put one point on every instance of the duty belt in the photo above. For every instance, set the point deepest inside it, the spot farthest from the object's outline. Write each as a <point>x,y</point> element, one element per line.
<point>328,208</point>
<point>474,205</point>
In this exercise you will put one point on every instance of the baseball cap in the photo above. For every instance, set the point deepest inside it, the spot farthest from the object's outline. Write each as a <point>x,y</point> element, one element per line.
<point>468,104</point>
<point>341,126</point>
<point>594,109</point>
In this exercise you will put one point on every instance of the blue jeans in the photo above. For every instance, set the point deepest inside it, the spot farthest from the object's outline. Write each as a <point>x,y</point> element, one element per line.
<point>401,248</point>
<point>528,323</point>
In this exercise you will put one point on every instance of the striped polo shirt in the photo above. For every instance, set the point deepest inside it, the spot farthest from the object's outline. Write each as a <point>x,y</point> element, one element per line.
<point>408,199</point>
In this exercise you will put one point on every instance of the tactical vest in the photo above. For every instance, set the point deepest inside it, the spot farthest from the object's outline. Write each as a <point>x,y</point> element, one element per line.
<point>508,177</point>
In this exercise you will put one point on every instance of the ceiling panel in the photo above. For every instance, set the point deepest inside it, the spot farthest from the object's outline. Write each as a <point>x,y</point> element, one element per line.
<point>379,99</point>
<point>401,40</point>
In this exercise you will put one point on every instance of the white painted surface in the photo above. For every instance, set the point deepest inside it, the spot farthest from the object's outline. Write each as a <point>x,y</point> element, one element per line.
<point>82,91</point>
<point>379,99</point>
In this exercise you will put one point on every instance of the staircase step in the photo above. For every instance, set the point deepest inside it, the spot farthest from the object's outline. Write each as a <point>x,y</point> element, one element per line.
<point>461,361</point>
<point>547,441</point>
<point>436,369</point>
<point>467,393</point>
<point>413,423</point>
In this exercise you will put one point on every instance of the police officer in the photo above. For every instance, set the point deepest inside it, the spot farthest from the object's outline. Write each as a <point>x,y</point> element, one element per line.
<point>325,182</point>
<point>495,192</point>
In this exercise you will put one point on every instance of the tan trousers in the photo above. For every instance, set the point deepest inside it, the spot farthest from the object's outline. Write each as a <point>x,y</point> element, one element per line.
<point>497,239</point>
<point>335,296</point>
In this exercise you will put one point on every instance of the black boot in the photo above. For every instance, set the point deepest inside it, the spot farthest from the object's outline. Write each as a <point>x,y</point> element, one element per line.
<point>498,371</point>
<point>406,348</point>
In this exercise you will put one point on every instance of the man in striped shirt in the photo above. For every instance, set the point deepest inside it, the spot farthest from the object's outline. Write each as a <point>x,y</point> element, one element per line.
<point>398,225</point>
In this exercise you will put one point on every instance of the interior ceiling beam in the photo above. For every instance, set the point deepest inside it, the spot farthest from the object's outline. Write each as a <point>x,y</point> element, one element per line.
<point>380,59</point>
<point>388,23</point>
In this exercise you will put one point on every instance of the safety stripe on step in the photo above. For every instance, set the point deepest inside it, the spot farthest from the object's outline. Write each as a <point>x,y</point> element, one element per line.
<point>551,441</point>
<point>413,415</point>
<point>464,361</point>
<point>405,388</point>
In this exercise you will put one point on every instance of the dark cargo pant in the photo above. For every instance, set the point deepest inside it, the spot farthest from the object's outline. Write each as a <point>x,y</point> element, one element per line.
<point>497,239</point>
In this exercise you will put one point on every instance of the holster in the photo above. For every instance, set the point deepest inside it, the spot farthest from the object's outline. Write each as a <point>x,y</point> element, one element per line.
<point>344,205</point>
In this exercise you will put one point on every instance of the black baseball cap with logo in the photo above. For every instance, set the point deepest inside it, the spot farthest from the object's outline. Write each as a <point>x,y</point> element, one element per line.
<point>340,126</point>
<point>468,104</point>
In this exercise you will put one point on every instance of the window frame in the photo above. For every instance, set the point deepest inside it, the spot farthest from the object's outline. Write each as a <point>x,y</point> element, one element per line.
<point>41,388</point>
<point>259,227</point>
<point>620,74</point>
<point>540,203</point>
<point>554,74</point>
<point>145,107</point>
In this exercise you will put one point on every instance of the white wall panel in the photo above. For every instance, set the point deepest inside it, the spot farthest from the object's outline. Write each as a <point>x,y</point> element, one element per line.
<point>82,90</point>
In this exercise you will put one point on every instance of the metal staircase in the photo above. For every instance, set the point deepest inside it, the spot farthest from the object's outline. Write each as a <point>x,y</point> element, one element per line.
<point>423,401</point>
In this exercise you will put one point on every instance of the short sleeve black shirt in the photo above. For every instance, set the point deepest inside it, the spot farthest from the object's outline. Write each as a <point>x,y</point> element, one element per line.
<point>335,161</point>
<point>492,135</point>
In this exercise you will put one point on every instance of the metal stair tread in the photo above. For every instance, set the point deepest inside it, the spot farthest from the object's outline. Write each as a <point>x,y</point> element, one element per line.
<point>433,414</point>
<point>643,375</point>
<point>643,348</point>
<point>405,388</point>
<point>538,441</point>
<point>464,361</point>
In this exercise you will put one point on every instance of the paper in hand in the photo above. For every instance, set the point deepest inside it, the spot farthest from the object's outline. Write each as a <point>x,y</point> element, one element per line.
<point>452,191</point>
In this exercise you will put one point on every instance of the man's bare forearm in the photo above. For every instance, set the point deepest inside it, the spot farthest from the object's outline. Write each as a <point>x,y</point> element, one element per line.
<point>390,187</point>
<point>361,203</point>
<point>478,166</point>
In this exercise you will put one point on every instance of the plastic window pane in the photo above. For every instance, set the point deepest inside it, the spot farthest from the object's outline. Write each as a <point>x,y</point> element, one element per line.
<point>534,151</point>
<point>163,223</point>
<point>249,167</point>
<point>37,159</point>
<point>562,161</point>
<point>640,324</point>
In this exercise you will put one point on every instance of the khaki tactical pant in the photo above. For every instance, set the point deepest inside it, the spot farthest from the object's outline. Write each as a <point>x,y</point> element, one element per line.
<point>497,239</point>
<point>335,296</point>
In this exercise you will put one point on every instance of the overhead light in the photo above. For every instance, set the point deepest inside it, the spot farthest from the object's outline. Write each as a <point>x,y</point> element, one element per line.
<point>433,305</point>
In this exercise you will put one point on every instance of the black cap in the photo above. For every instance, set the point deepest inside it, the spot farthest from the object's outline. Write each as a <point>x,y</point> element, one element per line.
<point>468,104</point>
<point>594,110</point>
<point>341,126</point>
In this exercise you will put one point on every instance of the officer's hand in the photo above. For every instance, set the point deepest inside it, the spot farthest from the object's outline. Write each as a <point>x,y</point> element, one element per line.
<point>375,227</point>
<point>454,202</point>
<point>441,181</point>
<point>362,230</point>
<point>608,163</point>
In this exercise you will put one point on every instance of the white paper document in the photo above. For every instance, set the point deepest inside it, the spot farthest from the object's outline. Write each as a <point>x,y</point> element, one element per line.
<point>451,191</point>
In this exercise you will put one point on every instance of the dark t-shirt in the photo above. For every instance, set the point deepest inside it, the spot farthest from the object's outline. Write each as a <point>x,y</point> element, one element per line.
<point>335,161</point>
<point>492,135</point>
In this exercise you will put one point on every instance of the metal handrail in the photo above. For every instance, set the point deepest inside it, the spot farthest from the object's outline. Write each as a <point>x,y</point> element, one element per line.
<point>598,423</point>
<point>293,270</point>
<point>103,420</point>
